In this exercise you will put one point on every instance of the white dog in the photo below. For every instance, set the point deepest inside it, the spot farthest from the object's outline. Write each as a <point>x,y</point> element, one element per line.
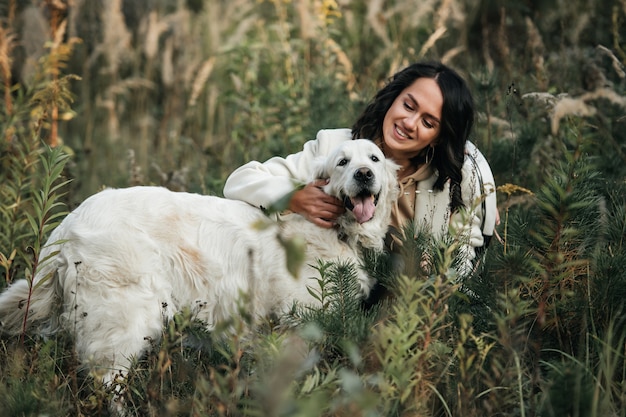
<point>126,259</point>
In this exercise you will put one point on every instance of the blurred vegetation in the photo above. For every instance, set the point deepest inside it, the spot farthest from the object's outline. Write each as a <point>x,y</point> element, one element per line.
<point>181,92</point>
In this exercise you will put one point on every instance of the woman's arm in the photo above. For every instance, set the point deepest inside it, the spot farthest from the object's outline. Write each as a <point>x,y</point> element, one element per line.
<point>475,224</point>
<point>262,184</point>
<point>480,180</point>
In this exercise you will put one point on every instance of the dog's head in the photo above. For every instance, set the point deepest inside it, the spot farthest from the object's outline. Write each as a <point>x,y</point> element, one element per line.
<point>361,176</point>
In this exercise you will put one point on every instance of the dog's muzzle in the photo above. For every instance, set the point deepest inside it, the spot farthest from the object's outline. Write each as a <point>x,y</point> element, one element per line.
<point>363,204</point>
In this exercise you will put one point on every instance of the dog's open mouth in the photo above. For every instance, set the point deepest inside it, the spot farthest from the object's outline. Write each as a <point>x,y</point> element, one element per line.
<point>363,205</point>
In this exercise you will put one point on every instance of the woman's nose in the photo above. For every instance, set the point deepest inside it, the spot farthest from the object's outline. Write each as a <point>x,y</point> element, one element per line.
<point>410,122</point>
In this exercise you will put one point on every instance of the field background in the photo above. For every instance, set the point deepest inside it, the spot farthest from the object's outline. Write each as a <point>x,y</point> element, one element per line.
<point>195,88</point>
<point>181,92</point>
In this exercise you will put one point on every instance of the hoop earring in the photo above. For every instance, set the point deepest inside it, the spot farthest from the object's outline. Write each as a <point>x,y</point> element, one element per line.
<point>429,158</point>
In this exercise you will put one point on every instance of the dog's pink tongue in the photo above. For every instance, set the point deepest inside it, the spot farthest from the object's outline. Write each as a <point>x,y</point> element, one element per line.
<point>363,208</point>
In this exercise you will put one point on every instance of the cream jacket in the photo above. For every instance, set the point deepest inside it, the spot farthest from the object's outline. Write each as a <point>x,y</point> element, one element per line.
<point>261,184</point>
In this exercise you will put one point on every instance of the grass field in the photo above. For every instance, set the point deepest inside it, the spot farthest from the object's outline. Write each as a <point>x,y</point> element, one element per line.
<point>181,92</point>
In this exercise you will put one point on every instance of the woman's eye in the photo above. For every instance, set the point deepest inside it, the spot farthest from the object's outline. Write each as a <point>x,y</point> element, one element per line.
<point>342,162</point>
<point>408,106</point>
<point>428,124</point>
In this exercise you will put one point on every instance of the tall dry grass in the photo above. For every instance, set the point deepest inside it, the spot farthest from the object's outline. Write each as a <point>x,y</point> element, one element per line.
<point>206,85</point>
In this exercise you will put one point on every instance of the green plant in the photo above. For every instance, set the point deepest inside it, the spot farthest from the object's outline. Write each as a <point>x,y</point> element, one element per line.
<point>341,319</point>
<point>46,216</point>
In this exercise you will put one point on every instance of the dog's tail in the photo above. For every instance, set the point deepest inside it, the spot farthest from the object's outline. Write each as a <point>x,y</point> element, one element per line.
<point>25,303</point>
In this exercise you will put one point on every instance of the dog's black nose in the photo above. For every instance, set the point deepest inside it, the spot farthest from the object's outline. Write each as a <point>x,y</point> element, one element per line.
<point>363,175</point>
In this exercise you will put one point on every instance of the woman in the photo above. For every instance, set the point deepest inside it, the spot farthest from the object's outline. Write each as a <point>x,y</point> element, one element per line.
<point>422,119</point>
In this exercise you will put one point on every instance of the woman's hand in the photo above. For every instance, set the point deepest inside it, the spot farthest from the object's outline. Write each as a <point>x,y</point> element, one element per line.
<point>316,206</point>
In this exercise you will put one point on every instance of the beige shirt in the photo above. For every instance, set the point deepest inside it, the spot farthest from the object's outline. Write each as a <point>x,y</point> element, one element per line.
<point>404,210</point>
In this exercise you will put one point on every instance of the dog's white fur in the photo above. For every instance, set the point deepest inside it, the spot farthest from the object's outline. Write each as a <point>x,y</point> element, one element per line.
<point>129,258</point>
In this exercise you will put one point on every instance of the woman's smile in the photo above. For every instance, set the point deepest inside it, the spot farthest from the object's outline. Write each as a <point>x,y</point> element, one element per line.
<point>401,133</point>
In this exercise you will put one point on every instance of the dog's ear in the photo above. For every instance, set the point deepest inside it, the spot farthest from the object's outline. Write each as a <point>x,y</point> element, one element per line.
<point>391,170</point>
<point>320,168</point>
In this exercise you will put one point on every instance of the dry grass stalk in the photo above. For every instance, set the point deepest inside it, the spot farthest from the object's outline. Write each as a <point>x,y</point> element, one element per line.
<point>440,27</point>
<point>579,24</point>
<point>11,10</point>
<point>451,53</point>
<point>416,13</point>
<point>314,15</point>
<point>569,106</point>
<point>615,62</point>
<point>73,16</point>
<point>377,20</point>
<point>33,36</point>
<point>486,33</point>
<point>211,112</point>
<point>57,27</point>
<point>579,106</point>
<point>199,82</point>
<point>56,4</point>
<point>109,102</point>
<point>125,86</point>
<point>7,44</point>
<point>547,99</point>
<point>430,42</point>
<point>616,27</point>
<point>181,53</point>
<point>537,49</point>
<point>116,36</point>
<point>153,32</point>
<point>348,74</point>
<point>306,20</point>
<point>168,76</point>
<point>218,21</point>
<point>502,41</point>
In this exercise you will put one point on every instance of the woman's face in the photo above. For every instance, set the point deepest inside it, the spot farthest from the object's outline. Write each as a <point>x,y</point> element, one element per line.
<point>413,121</point>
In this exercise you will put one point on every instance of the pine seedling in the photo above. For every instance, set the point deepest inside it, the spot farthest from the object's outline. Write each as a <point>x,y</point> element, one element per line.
<point>341,316</point>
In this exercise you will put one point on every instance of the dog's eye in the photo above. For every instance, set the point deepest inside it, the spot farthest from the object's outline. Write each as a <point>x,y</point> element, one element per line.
<point>374,158</point>
<point>342,162</point>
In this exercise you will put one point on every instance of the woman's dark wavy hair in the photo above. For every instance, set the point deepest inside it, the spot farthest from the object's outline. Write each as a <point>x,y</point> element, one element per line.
<point>457,120</point>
